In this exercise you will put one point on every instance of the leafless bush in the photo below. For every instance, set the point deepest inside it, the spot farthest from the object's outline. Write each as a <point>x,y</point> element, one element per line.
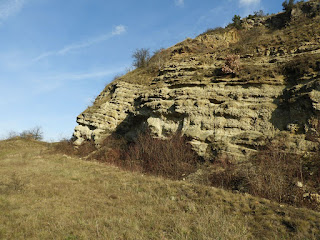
<point>313,133</point>
<point>34,133</point>
<point>275,174</point>
<point>272,173</point>
<point>301,65</point>
<point>172,157</point>
<point>12,134</point>
<point>229,175</point>
<point>86,148</point>
<point>141,57</point>
<point>65,146</point>
<point>112,150</point>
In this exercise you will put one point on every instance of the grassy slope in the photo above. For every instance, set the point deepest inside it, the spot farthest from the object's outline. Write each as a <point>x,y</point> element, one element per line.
<point>50,196</point>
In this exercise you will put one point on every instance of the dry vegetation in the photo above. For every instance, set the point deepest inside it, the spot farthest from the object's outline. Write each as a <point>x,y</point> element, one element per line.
<point>52,196</point>
<point>171,158</point>
<point>273,173</point>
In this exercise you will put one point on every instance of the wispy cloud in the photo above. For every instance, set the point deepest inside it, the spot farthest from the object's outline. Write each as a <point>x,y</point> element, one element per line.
<point>118,30</point>
<point>47,84</point>
<point>9,8</point>
<point>179,3</point>
<point>245,3</point>
<point>83,76</point>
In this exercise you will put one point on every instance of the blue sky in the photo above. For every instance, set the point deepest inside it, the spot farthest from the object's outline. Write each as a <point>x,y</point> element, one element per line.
<point>57,55</point>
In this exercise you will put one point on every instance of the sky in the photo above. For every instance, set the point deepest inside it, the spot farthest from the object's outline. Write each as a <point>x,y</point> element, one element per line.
<point>56,56</point>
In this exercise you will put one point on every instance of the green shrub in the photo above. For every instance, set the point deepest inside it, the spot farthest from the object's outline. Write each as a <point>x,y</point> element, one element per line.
<point>288,5</point>
<point>236,22</point>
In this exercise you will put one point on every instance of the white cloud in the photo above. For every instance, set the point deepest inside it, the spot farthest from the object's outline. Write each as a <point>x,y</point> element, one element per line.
<point>118,30</point>
<point>179,3</point>
<point>9,8</point>
<point>249,2</point>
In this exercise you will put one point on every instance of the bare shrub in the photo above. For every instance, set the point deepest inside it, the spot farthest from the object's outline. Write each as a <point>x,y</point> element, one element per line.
<point>112,150</point>
<point>141,57</point>
<point>228,175</point>
<point>275,174</point>
<point>65,146</point>
<point>35,133</point>
<point>301,65</point>
<point>313,133</point>
<point>272,173</point>
<point>86,148</point>
<point>12,135</point>
<point>232,64</point>
<point>172,157</point>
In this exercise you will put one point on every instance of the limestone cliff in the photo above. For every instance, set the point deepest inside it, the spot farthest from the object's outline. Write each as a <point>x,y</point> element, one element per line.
<point>275,91</point>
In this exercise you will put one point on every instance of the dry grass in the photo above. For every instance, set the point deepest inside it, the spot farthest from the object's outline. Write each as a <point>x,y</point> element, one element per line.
<point>46,196</point>
<point>52,196</point>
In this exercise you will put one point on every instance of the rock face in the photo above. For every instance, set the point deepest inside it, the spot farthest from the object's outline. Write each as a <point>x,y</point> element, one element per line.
<point>219,112</point>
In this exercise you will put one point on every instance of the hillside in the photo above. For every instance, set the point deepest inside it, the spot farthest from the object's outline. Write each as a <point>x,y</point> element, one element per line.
<point>46,195</point>
<point>272,89</point>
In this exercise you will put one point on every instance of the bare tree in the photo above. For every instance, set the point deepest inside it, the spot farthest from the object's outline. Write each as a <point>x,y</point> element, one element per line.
<point>141,57</point>
<point>34,133</point>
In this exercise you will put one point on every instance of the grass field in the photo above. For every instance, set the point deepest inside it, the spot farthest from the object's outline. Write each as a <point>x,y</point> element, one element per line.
<point>44,195</point>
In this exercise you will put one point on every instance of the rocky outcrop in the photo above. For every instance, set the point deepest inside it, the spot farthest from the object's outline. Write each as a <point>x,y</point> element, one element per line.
<point>224,114</point>
<point>218,112</point>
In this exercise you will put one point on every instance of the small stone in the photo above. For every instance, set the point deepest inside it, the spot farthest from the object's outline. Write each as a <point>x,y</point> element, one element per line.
<point>299,184</point>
